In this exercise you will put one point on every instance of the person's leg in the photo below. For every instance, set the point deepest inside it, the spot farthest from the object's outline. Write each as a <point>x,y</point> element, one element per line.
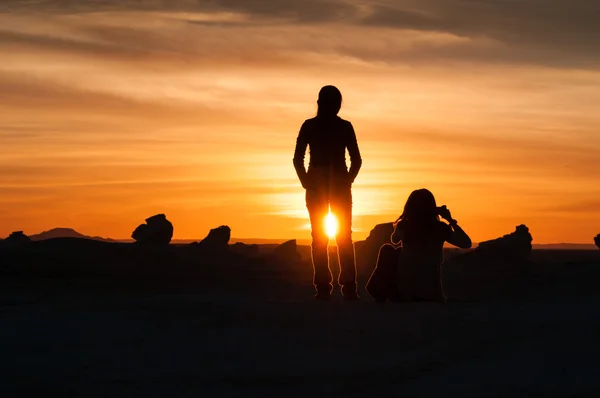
<point>382,284</point>
<point>429,283</point>
<point>406,275</point>
<point>341,207</point>
<point>318,207</point>
<point>439,288</point>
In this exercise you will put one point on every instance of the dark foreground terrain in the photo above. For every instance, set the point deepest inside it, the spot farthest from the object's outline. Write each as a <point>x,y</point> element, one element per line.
<point>121,323</point>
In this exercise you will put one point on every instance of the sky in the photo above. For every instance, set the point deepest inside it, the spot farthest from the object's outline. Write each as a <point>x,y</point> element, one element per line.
<point>111,112</point>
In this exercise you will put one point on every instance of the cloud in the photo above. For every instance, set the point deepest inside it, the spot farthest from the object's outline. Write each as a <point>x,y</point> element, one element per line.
<point>532,32</point>
<point>532,29</point>
<point>290,10</point>
<point>295,10</point>
<point>591,206</point>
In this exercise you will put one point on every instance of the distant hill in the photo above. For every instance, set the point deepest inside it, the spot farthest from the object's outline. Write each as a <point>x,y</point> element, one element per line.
<point>65,233</point>
<point>71,233</point>
<point>259,241</point>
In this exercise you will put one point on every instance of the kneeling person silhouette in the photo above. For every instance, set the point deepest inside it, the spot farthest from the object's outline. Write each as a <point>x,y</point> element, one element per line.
<point>409,268</point>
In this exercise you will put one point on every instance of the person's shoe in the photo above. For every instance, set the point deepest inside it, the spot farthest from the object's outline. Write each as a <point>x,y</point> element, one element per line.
<point>323,296</point>
<point>351,296</point>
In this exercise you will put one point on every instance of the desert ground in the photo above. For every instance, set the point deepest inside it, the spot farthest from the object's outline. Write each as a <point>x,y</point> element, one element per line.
<point>96,322</point>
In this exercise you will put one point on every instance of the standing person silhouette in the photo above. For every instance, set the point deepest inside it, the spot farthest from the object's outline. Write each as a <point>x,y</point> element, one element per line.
<point>328,185</point>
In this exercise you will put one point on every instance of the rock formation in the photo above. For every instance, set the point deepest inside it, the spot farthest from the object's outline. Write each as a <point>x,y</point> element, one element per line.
<point>515,247</point>
<point>287,252</point>
<point>157,231</point>
<point>244,249</point>
<point>217,239</point>
<point>367,250</point>
<point>597,240</point>
<point>17,238</point>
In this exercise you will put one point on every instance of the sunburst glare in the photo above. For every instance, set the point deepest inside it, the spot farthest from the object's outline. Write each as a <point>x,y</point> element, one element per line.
<point>331,225</point>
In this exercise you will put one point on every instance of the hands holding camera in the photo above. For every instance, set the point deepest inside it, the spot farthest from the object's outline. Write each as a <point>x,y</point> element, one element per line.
<point>445,214</point>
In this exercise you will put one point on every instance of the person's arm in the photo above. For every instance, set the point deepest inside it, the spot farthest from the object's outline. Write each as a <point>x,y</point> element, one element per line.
<point>300,153</point>
<point>457,236</point>
<point>396,237</point>
<point>355,159</point>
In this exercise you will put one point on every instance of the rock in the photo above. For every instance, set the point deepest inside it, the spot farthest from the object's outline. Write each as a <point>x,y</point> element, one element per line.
<point>157,231</point>
<point>515,247</point>
<point>16,238</point>
<point>597,240</point>
<point>286,252</point>
<point>244,249</point>
<point>217,239</point>
<point>367,250</point>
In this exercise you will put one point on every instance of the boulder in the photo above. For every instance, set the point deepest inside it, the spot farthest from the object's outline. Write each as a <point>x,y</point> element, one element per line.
<point>217,239</point>
<point>244,249</point>
<point>157,231</point>
<point>286,252</point>
<point>17,238</point>
<point>597,240</point>
<point>514,247</point>
<point>367,250</point>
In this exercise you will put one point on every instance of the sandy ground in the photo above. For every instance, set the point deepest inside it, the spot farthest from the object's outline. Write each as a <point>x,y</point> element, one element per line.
<point>265,336</point>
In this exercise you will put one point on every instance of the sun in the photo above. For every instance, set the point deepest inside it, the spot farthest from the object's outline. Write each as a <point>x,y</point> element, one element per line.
<point>331,225</point>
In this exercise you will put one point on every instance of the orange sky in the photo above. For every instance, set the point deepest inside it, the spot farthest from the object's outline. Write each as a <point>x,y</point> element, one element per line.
<point>110,114</point>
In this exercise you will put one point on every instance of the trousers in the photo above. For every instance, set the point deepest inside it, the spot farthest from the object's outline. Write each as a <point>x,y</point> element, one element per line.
<point>318,203</point>
<point>383,283</point>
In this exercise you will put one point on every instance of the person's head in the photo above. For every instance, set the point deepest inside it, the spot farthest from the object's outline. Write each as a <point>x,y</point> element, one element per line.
<point>420,207</point>
<point>329,102</point>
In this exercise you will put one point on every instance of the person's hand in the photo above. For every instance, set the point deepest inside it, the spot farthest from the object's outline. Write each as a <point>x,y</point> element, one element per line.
<point>306,182</point>
<point>349,179</point>
<point>445,213</point>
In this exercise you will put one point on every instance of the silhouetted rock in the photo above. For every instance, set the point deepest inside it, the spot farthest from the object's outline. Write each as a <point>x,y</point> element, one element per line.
<point>597,240</point>
<point>217,239</point>
<point>515,247</point>
<point>16,238</point>
<point>157,231</point>
<point>244,249</point>
<point>367,250</point>
<point>286,252</point>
